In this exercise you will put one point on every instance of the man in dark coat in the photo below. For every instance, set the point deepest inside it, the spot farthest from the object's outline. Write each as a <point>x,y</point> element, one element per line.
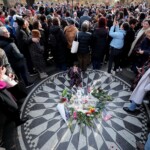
<point>60,48</point>
<point>15,58</point>
<point>24,40</point>
<point>129,38</point>
<point>84,18</point>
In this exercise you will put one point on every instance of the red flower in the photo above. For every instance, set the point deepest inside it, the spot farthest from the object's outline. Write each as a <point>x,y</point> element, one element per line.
<point>75,115</point>
<point>88,113</point>
<point>86,101</point>
<point>63,99</point>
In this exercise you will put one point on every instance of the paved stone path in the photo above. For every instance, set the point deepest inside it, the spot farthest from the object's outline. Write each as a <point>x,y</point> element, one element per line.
<point>46,130</point>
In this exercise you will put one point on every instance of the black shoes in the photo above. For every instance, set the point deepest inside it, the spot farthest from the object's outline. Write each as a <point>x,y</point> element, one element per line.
<point>21,121</point>
<point>128,110</point>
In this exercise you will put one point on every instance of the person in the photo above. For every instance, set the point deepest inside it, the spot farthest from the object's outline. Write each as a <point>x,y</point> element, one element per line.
<point>85,17</point>
<point>136,45</point>
<point>36,51</point>
<point>9,28</point>
<point>99,41</point>
<point>116,44</point>
<point>70,34</point>
<point>85,41</point>
<point>144,49</point>
<point>75,17</point>
<point>15,58</point>
<point>140,36</point>
<point>6,64</point>
<point>141,146</point>
<point>139,92</point>
<point>43,40</point>
<point>59,49</point>
<point>8,107</point>
<point>129,38</point>
<point>75,75</point>
<point>23,41</point>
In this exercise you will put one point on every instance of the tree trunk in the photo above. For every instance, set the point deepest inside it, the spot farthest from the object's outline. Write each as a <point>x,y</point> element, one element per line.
<point>30,2</point>
<point>67,1</point>
<point>6,3</point>
<point>122,1</point>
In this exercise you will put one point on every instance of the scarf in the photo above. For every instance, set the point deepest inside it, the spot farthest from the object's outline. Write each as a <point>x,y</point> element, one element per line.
<point>140,33</point>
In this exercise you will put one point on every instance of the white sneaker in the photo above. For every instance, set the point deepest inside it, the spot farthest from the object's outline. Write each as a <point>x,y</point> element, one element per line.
<point>120,69</point>
<point>117,70</point>
<point>113,72</point>
<point>43,75</point>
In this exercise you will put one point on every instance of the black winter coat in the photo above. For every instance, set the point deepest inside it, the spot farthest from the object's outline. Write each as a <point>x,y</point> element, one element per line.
<point>85,39</point>
<point>99,41</point>
<point>59,51</point>
<point>23,41</point>
<point>145,46</point>
<point>13,54</point>
<point>128,39</point>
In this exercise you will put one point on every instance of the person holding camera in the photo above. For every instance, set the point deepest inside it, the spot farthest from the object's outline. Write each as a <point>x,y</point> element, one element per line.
<point>116,44</point>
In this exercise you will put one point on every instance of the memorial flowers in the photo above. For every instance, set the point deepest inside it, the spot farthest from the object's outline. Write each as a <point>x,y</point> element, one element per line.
<point>84,106</point>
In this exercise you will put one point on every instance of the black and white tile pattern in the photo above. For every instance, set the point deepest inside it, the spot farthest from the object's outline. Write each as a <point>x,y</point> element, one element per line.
<point>46,130</point>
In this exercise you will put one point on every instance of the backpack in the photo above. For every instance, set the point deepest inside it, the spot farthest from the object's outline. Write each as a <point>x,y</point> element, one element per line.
<point>51,40</point>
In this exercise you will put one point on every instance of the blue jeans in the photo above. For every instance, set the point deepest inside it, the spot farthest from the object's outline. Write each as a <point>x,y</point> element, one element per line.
<point>147,145</point>
<point>132,106</point>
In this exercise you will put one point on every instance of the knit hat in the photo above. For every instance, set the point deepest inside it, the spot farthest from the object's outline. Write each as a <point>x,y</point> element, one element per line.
<point>36,34</point>
<point>19,21</point>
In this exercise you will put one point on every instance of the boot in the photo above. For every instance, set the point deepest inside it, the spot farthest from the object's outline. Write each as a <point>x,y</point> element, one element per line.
<point>17,119</point>
<point>21,121</point>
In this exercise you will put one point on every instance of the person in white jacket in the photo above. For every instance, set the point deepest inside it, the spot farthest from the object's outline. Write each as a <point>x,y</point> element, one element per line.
<point>139,92</point>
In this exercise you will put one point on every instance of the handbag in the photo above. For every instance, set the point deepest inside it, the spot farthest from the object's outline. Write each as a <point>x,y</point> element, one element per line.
<point>75,46</point>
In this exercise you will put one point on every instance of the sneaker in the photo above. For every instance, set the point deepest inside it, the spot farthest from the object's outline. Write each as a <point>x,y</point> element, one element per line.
<point>43,75</point>
<point>120,69</point>
<point>33,74</point>
<point>117,70</point>
<point>29,85</point>
<point>128,110</point>
<point>113,72</point>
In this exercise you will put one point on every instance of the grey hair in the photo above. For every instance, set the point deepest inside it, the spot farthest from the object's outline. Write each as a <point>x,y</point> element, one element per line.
<point>2,30</point>
<point>85,26</point>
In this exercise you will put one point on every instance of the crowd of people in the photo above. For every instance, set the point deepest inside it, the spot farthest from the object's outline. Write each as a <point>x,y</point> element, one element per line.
<point>118,35</point>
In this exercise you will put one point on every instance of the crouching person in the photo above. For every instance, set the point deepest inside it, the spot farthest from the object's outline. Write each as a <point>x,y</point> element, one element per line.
<point>75,75</point>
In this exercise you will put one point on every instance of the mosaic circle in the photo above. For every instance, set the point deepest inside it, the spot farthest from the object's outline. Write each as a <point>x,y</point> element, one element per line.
<point>46,130</point>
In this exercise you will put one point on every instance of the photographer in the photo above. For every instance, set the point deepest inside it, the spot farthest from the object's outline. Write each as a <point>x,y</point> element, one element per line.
<point>116,44</point>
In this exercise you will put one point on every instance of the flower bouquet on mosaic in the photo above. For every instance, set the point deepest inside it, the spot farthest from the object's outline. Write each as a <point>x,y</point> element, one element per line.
<point>84,106</point>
